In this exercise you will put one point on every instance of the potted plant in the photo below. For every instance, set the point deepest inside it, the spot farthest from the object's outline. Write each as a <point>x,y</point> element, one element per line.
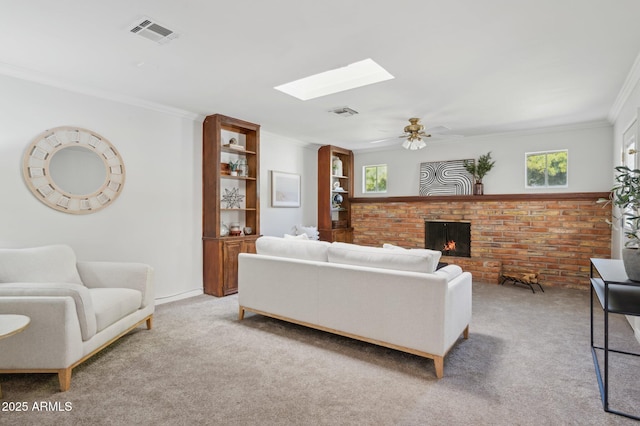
<point>626,195</point>
<point>233,167</point>
<point>479,169</point>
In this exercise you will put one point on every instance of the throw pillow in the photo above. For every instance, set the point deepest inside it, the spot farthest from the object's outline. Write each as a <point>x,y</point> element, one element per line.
<point>310,231</point>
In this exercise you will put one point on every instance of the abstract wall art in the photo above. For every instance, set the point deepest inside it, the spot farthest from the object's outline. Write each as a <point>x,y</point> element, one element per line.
<point>445,178</point>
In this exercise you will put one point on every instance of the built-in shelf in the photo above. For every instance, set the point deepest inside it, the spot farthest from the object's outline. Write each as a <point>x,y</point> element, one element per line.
<point>220,252</point>
<point>237,177</point>
<point>237,151</point>
<point>335,170</point>
<point>487,197</point>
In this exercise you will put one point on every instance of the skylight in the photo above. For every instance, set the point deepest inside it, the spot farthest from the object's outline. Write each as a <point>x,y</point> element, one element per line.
<point>354,75</point>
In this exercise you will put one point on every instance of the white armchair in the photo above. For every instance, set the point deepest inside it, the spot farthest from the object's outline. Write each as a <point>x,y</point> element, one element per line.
<point>76,308</point>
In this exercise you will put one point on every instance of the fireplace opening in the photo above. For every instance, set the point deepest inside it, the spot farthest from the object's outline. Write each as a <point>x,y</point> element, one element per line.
<point>450,238</point>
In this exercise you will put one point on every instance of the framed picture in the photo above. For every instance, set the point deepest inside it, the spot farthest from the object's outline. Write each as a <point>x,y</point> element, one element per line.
<point>445,178</point>
<point>285,189</point>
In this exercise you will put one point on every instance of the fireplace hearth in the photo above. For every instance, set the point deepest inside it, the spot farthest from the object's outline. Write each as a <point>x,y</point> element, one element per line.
<point>450,238</point>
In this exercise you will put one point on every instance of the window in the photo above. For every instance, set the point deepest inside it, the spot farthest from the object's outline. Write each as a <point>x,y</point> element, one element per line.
<point>546,169</point>
<point>374,178</point>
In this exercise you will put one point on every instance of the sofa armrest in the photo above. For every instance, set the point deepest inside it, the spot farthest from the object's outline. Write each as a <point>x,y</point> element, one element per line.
<point>458,307</point>
<point>136,276</point>
<point>79,294</point>
<point>54,325</point>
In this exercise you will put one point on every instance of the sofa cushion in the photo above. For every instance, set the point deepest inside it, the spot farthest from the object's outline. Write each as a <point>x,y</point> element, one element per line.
<point>417,260</point>
<point>55,263</point>
<point>434,255</point>
<point>113,304</point>
<point>296,237</point>
<point>79,294</point>
<point>293,248</point>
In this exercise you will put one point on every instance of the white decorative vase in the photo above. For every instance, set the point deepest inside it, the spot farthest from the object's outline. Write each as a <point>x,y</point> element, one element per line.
<point>337,166</point>
<point>631,261</point>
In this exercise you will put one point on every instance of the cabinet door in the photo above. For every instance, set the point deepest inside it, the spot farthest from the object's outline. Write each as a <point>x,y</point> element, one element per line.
<point>249,246</point>
<point>342,235</point>
<point>230,258</point>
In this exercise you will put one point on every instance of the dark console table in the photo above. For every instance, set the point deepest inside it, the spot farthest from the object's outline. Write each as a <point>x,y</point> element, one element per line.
<point>617,295</point>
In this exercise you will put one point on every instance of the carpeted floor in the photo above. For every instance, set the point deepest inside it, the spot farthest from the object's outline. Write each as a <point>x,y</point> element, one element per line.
<point>527,362</point>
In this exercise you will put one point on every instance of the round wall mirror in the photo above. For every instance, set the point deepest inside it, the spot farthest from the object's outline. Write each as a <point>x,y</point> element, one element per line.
<point>73,170</point>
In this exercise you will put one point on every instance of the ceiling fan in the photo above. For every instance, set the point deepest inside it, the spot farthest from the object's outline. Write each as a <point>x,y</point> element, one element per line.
<point>415,132</point>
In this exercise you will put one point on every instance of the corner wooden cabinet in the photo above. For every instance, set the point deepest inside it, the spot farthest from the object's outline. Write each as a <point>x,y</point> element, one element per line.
<point>335,186</point>
<point>228,199</point>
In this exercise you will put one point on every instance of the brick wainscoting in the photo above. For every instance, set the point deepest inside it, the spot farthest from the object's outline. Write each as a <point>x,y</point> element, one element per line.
<point>553,235</point>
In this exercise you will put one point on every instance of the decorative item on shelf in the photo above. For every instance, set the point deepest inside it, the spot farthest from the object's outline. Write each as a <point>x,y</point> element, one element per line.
<point>243,168</point>
<point>232,198</point>
<point>224,169</point>
<point>224,230</point>
<point>336,166</point>
<point>247,230</point>
<point>233,144</point>
<point>626,195</point>
<point>337,201</point>
<point>233,166</point>
<point>234,229</point>
<point>479,169</point>
<point>337,187</point>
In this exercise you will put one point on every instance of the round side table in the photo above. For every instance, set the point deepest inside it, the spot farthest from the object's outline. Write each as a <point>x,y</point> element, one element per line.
<point>12,324</point>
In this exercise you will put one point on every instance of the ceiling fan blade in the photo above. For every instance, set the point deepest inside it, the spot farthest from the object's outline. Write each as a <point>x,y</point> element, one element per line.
<point>441,136</point>
<point>437,129</point>
<point>383,140</point>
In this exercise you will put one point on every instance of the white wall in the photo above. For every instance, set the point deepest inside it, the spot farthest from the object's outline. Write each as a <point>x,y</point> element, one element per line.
<point>157,219</point>
<point>627,116</point>
<point>589,145</point>
<point>281,154</point>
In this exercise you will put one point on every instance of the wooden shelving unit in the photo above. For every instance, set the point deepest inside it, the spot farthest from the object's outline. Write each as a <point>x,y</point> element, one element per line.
<point>220,253</point>
<point>334,218</point>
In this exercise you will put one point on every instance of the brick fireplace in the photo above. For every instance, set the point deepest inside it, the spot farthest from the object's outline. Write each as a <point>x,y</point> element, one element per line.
<point>553,235</point>
<point>451,238</point>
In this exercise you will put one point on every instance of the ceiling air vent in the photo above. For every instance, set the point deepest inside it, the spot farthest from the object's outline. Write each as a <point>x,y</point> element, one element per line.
<point>344,111</point>
<point>153,31</point>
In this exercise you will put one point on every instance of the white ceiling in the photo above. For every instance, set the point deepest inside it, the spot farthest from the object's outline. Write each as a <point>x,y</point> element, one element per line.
<point>475,66</point>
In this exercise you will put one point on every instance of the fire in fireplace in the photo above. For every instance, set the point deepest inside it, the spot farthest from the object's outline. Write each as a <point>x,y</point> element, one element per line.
<point>451,238</point>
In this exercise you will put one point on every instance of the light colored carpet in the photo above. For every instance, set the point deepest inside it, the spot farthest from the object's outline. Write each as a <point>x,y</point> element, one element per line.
<point>527,362</point>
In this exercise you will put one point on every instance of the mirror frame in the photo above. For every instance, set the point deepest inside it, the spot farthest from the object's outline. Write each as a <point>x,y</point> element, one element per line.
<point>36,170</point>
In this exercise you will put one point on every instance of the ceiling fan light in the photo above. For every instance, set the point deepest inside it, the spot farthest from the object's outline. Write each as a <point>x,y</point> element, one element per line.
<point>413,144</point>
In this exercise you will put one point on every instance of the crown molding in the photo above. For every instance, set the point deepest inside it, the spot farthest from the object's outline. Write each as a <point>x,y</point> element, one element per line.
<point>629,84</point>
<point>38,77</point>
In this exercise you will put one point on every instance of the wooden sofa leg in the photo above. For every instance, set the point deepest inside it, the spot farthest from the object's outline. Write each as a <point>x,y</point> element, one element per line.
<point>465,333</point>
<point>439,363</point>
<point>240,313</point>
<point>149,323</point>
<point>64,377</point>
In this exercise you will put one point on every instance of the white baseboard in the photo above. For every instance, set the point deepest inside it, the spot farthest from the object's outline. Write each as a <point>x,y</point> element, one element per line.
<point>180,296</point>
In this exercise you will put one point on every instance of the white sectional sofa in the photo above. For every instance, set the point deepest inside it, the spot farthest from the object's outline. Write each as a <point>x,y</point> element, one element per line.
<point>387,296</point>
<point>76,308</point>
